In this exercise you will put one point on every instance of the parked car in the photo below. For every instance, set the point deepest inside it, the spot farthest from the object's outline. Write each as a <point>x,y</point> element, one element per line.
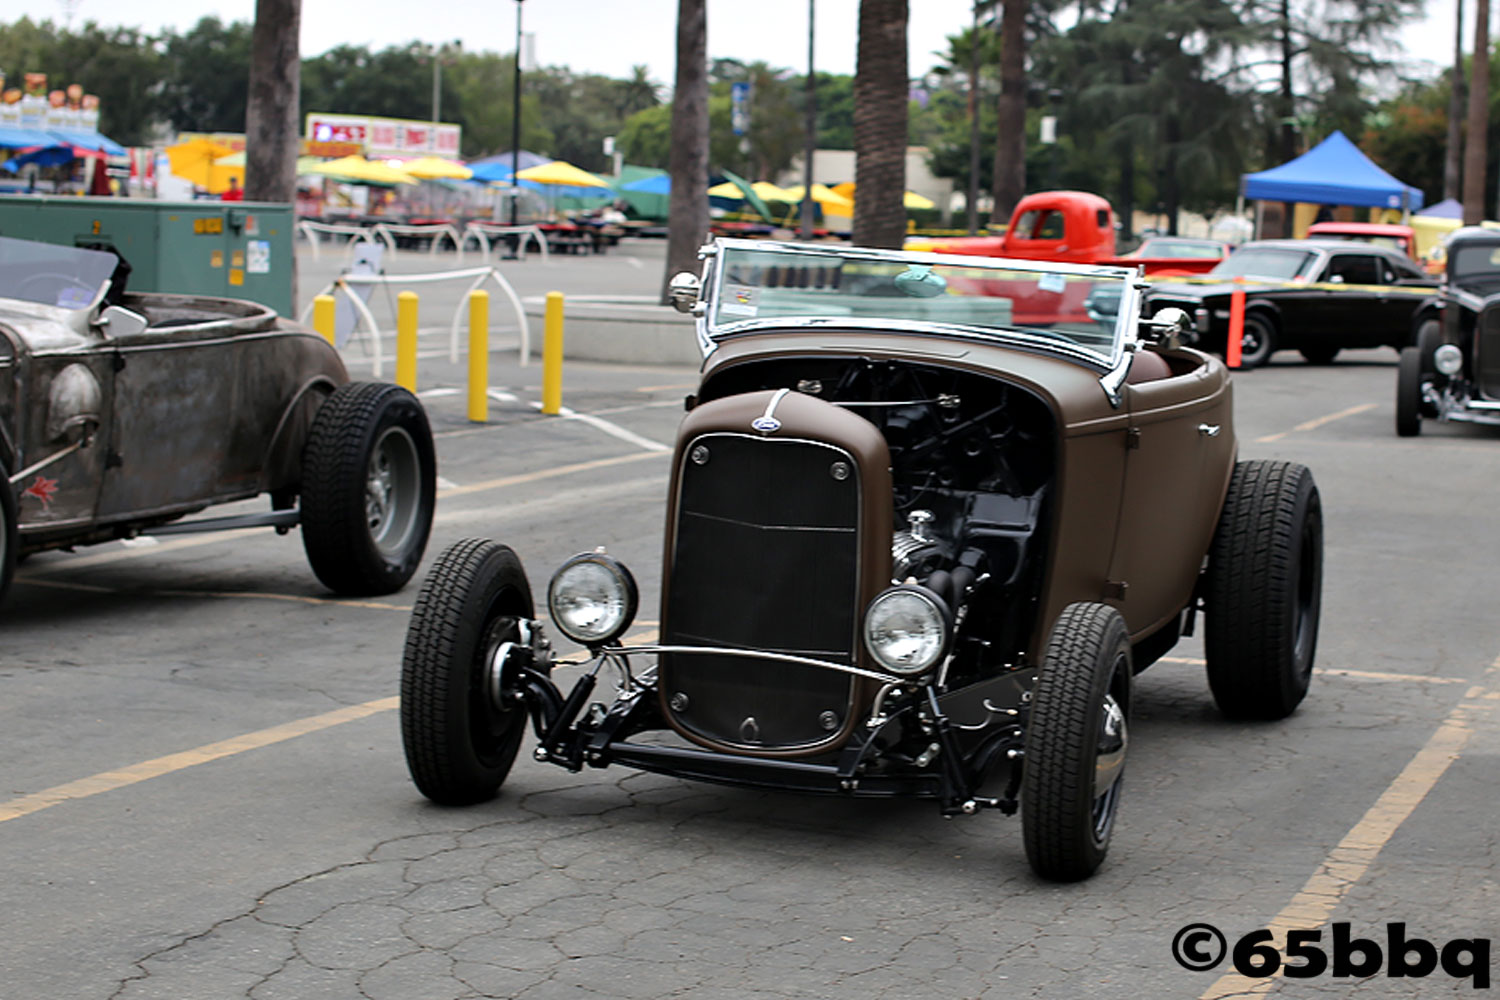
<point>1314,296</point>
<point>120,414</point>
<point>913,548</point>
<point>1187,247</point>
<point>1453,371</point>
<point>1402,239</point>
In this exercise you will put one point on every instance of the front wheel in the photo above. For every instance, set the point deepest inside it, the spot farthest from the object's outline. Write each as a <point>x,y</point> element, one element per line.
<point>1257,340</point>
<point>1263,589</point>
<point>1409,392</point>
<point>1075,743</point>
<point>461,731</point>
<point>369,483</point>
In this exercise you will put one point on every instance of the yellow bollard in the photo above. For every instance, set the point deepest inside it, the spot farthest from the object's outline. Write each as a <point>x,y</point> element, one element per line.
<point>552,354</point>
<point>406,340</point>
<point>479,356</point>
<point>324,307</point>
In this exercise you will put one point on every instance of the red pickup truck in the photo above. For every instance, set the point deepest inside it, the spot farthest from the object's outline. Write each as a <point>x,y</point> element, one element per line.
<point>1073,226</point>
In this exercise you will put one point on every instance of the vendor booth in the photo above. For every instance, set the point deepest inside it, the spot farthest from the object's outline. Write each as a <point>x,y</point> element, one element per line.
<point>1335,172</point>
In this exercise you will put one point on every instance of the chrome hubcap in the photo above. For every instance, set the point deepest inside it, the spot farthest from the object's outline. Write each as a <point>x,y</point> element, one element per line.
<point>392,490</point>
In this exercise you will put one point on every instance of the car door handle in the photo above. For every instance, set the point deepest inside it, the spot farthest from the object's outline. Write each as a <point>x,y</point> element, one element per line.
<point>1209,430</point>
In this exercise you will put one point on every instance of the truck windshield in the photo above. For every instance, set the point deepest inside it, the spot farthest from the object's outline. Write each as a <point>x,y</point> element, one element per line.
<point>48,275</point>
<point>1045,302</point>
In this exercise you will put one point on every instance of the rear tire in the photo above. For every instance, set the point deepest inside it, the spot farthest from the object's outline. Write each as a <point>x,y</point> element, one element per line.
<point>1263,591</point>
<point>459,743</point>
<point>369,484</point>
<point>10,537</point>
<point>1078,715</point>
<point>1409,392</point>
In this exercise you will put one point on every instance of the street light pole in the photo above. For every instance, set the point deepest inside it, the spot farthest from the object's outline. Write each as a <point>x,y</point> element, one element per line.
<point>515,124</point>
<point>811,138</point>
<point>973,194</point>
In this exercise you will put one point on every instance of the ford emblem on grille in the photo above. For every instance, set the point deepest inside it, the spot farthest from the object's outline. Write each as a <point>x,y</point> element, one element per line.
<point>766,425</point>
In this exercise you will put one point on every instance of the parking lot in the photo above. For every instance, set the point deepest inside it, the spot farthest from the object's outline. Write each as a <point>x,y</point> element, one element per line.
<point>204,793</point>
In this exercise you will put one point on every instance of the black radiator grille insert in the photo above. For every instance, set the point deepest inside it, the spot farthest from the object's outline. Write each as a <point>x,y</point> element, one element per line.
<point>1488,359</point>
<point>766,557</point>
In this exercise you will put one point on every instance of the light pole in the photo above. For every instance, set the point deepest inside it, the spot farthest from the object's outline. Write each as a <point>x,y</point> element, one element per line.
<point>515,123</point>
<point>973,196</point>
<point>811,139</point>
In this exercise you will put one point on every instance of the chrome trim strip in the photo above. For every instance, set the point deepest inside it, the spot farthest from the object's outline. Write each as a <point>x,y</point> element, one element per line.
<point>752,654</point>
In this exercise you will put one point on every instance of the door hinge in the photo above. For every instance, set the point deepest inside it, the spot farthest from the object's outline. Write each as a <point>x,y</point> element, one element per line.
<point>1132,437</point>
<point>119,361</point>
<point>113,459</point>
<point>1115,590</point>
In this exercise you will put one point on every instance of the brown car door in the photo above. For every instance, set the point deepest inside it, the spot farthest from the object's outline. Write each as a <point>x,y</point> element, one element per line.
<point>1180,440</point>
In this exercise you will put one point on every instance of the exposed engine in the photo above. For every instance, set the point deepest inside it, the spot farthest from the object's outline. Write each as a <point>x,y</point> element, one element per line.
<point>972,462</point>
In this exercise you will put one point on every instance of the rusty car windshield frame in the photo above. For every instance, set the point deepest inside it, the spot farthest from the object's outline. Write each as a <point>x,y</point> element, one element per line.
<point>756,285</point>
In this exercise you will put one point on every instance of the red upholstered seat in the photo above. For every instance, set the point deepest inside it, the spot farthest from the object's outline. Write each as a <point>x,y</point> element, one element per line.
<point>1148,366</point>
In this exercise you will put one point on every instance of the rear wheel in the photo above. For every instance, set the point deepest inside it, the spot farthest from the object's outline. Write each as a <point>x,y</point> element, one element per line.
<point>1263,589</point>
<point>9,533</point>
<point>369,482</point>
<point>1409,392</point>
<point>1257,340</point>
<point>1075,743</point>
<point>460,735</point>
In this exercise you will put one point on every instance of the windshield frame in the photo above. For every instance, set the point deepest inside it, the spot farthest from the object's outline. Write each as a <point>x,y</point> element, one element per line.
<point>713,330</point>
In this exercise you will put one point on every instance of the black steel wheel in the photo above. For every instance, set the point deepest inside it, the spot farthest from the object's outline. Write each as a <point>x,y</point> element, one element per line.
<point>1321,354</point>
<point>1263,590</point>
<point>1257,339</point>
<point>1409,392</point>
<point>369,483</point>
<point>10,538</point>
<point>1076,739</point>
<point>459,733</point>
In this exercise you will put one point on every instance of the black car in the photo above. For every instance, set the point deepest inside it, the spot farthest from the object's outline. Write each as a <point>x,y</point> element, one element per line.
<point>1315,296</point>
<point>1452,372</point>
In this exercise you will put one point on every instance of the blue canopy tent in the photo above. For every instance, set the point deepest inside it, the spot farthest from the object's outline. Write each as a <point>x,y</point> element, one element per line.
<point>1334,172</point>
<point>497,167</point>
<point>1448,208</point>
<point>46,156</point>
<point>94,141</point>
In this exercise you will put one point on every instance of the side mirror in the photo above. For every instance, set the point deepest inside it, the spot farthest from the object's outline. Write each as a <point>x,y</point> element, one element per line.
<point>117,321</point>
<point>1167,328</point>
<point>683,291</point>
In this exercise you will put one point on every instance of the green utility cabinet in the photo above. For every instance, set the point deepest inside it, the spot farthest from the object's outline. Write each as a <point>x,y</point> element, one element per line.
<point>238,250</point>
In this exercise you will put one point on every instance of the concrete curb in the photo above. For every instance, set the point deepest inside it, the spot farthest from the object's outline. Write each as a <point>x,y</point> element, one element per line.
<point>628,329</point>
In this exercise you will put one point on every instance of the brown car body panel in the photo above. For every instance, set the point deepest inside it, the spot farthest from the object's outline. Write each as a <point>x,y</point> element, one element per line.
<point>1139,485</point>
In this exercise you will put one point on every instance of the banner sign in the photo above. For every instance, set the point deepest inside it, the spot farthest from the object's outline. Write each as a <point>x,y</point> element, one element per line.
<point>385,136</point>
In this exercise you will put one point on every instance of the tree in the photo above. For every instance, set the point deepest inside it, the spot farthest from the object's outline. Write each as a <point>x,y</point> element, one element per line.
<point>881,93</point>
<point>1453,141</point>
<point>1010,127</point>
<point>272,129</point>
<point>1475,164</point>
<point>687,223</point>
<point>203,78</point>
<point>121,65</point>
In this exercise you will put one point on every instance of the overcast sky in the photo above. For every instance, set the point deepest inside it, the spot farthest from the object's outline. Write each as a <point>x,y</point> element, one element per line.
<point>611,36</point>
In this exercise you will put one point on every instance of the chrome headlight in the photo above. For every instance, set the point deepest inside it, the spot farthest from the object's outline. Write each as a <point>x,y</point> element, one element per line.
<point>1448,359</point>
<point>907,629</point>
<point>592,598</point>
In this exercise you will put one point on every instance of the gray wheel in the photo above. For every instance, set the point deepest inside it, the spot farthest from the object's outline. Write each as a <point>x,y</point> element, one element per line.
<point>369,482</point>
<point>1409,392</point>
<point>1263,590</point>
<point>460,738</point>
<point>1076,739</point>
<point>1257,339</point>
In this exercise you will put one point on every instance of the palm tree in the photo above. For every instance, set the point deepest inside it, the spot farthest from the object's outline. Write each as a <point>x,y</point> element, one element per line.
<point>880,104</point>
<point>272,128</point>
<point>1479,103</point>
<point>1010,127</point>
<point>687,209</point>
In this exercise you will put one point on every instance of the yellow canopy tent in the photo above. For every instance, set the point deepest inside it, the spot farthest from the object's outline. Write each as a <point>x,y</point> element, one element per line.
<point>560,173</point>
<point>357,168</point>
<point>825,196</point>
<point>436,168</point>
<point>194,161</point>
<point>911,199</point>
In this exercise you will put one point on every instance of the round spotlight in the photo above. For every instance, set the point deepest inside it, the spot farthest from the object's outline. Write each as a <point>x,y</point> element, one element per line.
<point>592,598</point>
<point>1448,359</point>
<point>907,629</point>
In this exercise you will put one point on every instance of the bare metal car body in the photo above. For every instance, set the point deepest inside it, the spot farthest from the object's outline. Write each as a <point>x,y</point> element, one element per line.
<point>120,414</point>
<point>1047,502</point>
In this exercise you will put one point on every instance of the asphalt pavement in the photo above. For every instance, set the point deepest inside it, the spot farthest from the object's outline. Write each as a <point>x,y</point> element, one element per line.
<point>203,794</point>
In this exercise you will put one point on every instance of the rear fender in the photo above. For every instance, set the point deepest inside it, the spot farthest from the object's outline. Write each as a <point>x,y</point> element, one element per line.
<point>282,466</point>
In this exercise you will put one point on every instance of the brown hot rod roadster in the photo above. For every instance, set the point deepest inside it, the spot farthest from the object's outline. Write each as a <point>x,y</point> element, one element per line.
<point>913,547</point>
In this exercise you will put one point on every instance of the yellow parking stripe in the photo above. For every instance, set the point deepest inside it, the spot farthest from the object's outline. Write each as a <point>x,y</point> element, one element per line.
<point>1318,422</point>
<point>1351,859</point>
<point>108,781</point>
<point>1368,675</point>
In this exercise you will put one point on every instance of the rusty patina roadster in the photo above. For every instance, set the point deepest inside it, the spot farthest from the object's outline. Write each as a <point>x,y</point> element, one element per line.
<point>120,414</point>
<point>927,519</point>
